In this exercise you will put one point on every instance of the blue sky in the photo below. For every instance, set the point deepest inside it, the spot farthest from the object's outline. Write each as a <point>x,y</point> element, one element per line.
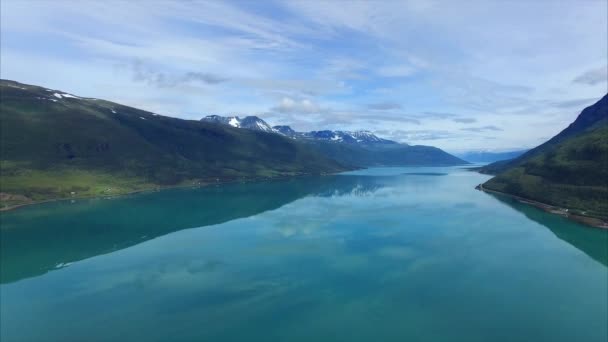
<point>460,75</point>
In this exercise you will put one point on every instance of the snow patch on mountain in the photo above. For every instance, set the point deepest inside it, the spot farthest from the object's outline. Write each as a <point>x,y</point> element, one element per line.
<point>65,95</point>
<point>234,122</point>
<point>18,87</point>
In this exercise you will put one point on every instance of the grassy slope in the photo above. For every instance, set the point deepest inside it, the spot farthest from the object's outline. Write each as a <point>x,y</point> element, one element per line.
<point>571,170</point>
<point>50,149</point>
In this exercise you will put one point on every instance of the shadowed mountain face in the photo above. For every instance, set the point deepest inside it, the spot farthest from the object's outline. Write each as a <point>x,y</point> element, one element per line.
<point>591,241</point>
<point>45,237</point>
<point>570,170</point>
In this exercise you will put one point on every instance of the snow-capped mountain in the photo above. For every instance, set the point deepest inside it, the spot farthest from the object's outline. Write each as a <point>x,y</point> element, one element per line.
<point>257,124</point>
<point>233,121</point>
<point>353,137</point>
<point>356,137</point>
<point>286,130</point>
<point>248,122</point>
<point>354,148</point>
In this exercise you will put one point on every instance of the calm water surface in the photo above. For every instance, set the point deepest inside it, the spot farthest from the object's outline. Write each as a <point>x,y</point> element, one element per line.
<point>388,254</point>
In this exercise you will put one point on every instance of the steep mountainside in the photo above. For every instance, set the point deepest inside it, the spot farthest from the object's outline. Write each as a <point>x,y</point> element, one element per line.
<point>592,116</point>
<point>56,145</point>
<point>358,148</point>
<point>570,170</point>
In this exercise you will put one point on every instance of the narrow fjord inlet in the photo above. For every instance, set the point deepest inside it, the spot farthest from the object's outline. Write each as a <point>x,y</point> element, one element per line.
<point>386,254</point>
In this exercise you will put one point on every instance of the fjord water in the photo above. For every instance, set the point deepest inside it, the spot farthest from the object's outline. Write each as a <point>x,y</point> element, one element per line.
<point>387,254</point>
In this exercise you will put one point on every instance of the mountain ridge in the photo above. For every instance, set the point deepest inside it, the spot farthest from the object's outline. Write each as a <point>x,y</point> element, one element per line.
<point>57,145</point>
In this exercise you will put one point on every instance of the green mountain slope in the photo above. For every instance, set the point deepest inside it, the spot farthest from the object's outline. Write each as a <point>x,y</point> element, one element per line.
<point>390,155</point>
<point>56,145</point>
<point>570,170</point>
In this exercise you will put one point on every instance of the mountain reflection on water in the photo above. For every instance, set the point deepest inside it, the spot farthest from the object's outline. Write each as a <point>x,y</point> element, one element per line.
<point>49,236</point>
<point>370,255</point>
<point>42,238</point>
<point>591,241</point>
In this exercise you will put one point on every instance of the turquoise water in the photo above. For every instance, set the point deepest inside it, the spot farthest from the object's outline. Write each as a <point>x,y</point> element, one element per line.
<point>387,254</point>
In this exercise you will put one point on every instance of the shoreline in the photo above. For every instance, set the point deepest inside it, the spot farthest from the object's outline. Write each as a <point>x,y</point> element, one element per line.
<point>198,185</point>
<point>161,188</point>
<point>551,209</point>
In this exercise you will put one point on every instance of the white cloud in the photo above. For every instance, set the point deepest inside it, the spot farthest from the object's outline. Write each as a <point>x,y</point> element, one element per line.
<point>291,106</point>
<point>375,65</point>
<point>593,76</point>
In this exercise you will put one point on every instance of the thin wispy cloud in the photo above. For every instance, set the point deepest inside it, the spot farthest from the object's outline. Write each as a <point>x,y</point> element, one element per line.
<point>419,134</point>
<point>464,120</point>
<point>575,104</point>
<point>162,79</point>
<point>488,128</point>
<point>303,106</point>
<point>392,67</point>
<point>439,115</point>
<point>384,106</point>
<point>593,76</point>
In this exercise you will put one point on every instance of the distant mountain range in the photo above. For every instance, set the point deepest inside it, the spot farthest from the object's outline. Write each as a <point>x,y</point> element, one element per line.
<point>570,170</point>
<point>489,157</point>
<point>57,145</point>
<point>352,148</point>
